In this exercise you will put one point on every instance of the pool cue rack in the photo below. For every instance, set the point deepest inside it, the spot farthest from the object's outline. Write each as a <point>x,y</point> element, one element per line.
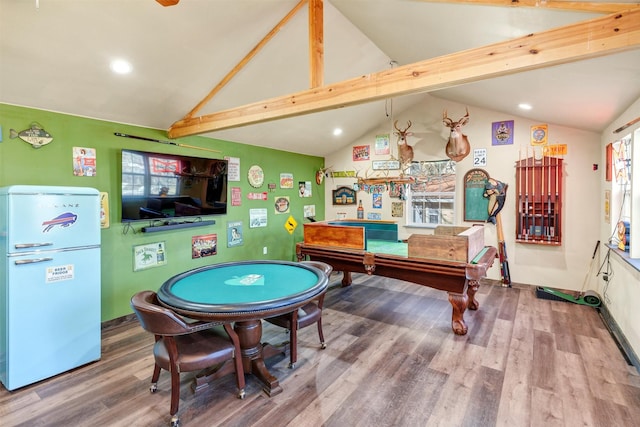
<point>539,205</point>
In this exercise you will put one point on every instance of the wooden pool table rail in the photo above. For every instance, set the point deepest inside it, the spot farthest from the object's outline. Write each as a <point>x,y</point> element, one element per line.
<point>460,278</point>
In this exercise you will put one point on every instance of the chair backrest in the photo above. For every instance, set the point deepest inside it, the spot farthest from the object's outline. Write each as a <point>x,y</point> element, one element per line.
<point>155,318</point>
<point>322,266</point>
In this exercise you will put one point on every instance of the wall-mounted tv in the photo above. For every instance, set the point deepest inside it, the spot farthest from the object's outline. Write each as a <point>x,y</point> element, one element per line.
<point>158,186</point>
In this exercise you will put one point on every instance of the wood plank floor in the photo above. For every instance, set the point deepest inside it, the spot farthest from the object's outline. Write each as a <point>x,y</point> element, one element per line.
<point>391,360</point>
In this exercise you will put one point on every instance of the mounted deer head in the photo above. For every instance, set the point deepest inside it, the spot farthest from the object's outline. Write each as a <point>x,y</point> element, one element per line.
<point>320,174</point>
<point>405,151</point>
<point>458,146</point>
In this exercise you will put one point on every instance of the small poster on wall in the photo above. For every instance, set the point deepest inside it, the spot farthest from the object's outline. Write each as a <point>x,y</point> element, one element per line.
<point>148,256</point>
<point>286,180</point>
<point>281,204</point>
<point>233,169</point>
<point>539,135</point>
<point>361,153</point>
<point>382,144</point>
<point>234,234</point>
<point>204,245</point>
<point>236,196</point>
<point>309,211</point>
<point>304,188</point>
<point>397,209</point>
<point>257,218</point>
<point>479,157</point>
<point>84,161</point>
<point>502,133</point>
<point>104,209</point>
<point>377,201</point>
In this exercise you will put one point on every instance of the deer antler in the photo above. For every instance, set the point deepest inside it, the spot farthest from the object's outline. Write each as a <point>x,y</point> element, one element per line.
<point>464,119</point>
<point>446,120</point>
<point>402,132</point>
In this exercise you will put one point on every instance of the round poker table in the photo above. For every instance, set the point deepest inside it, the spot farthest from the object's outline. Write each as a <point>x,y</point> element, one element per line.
<point>245,292</point>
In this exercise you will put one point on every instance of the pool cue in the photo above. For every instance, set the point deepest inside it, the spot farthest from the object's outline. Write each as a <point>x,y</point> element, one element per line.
<point>142,138</point>
<point>502,253</point>
<point>555,200</point>
<point>542,198</point>
<point>549,199</point>
<point>526,194</point>
<point>533,192</point>
<point>519,209</point>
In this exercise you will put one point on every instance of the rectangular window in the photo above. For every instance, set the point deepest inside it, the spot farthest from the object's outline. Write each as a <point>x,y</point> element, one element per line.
<point>621,192</point>
<point>431,198</point>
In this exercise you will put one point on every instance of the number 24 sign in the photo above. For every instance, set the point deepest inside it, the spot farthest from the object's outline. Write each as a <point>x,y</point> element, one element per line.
<point>479,156</point>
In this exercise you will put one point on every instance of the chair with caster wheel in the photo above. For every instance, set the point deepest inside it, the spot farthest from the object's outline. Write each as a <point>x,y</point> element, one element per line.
<point>183,345</point>
<point>306,315</point>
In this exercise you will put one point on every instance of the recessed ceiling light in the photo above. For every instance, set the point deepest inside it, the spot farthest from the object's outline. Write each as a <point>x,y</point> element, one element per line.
<point>120,66</point>
<point>525,106</point>
<point>337,131</point>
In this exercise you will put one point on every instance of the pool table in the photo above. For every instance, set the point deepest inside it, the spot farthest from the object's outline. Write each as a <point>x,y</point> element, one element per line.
<point>454,259</point>
<point>245,292</point>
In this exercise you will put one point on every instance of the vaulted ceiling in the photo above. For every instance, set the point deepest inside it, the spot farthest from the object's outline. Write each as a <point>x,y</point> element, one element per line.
<point>55,54</point>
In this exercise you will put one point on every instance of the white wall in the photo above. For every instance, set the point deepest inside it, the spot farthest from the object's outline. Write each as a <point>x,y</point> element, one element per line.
<point>563,267</point>
<point>623,290</point>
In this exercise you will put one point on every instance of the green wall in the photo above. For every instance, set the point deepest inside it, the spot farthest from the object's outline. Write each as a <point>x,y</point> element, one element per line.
<point>51,164</point>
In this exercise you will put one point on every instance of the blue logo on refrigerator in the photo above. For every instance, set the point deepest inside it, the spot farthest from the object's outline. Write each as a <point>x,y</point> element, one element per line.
<point>64,220</point>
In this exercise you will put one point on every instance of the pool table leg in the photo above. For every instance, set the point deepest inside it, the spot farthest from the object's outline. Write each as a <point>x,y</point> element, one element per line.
<point>346,278</point>
<point>254,353</point>
<point>472,288</point>
<point>459,303</point>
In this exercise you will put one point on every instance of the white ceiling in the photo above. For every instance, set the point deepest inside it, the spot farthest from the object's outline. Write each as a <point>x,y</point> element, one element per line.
<point>54,55</point>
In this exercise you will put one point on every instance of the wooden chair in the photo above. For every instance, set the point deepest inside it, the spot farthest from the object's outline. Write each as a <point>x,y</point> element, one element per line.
<point>185,346</point>
<point>306,315</point>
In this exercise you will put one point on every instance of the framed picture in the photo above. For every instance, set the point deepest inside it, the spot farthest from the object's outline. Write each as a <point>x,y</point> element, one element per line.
<point>257,218</point>
<point>502,133</point>
<point>361,152</point>
<point>204,245</point>
<point>377,165</point>
<point>397,209</point>
<point>382,144</point>
<point>539,134</point>
<point>344,196</point>
<point>286,180</point>
<point>234,234</point>
<point>148,256</point>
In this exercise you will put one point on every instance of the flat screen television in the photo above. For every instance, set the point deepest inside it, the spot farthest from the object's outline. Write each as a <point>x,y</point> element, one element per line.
<point>159,186</point>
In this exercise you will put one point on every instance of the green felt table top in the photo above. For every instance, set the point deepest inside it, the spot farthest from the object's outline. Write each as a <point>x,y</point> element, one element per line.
<point>387,247</point>
<point>248,285</point>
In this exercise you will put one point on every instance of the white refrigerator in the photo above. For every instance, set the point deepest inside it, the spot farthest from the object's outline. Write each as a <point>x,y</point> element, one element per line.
<point>50,283</point>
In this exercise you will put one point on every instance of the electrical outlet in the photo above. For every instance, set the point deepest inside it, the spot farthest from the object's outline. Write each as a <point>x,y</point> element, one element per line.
<point>264,250</point>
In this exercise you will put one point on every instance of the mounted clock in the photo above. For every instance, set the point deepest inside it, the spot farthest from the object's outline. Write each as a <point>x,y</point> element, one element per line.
<point>256,176</point>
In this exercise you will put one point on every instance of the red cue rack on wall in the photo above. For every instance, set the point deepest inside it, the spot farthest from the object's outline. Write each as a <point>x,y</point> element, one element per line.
<point>539,206</point>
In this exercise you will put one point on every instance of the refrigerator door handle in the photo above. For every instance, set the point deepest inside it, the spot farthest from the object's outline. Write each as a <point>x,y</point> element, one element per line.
<point>32,261</point>
<point>32,245</point>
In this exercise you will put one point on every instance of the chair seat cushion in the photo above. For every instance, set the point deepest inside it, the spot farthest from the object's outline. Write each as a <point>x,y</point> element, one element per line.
<point>308,314</point>
<point>195,351</point>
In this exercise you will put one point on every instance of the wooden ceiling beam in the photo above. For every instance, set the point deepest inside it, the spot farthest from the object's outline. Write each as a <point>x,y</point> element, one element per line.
<point>316,43</point>
<point>589,39</point>
<point>244,61</point>
<point>574,6</point>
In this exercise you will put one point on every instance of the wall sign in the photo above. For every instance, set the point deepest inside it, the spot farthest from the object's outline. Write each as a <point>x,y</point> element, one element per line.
<point>344,196</point>
<point>479,157</point>
<point>148,256</point>
<point>385,165</point>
